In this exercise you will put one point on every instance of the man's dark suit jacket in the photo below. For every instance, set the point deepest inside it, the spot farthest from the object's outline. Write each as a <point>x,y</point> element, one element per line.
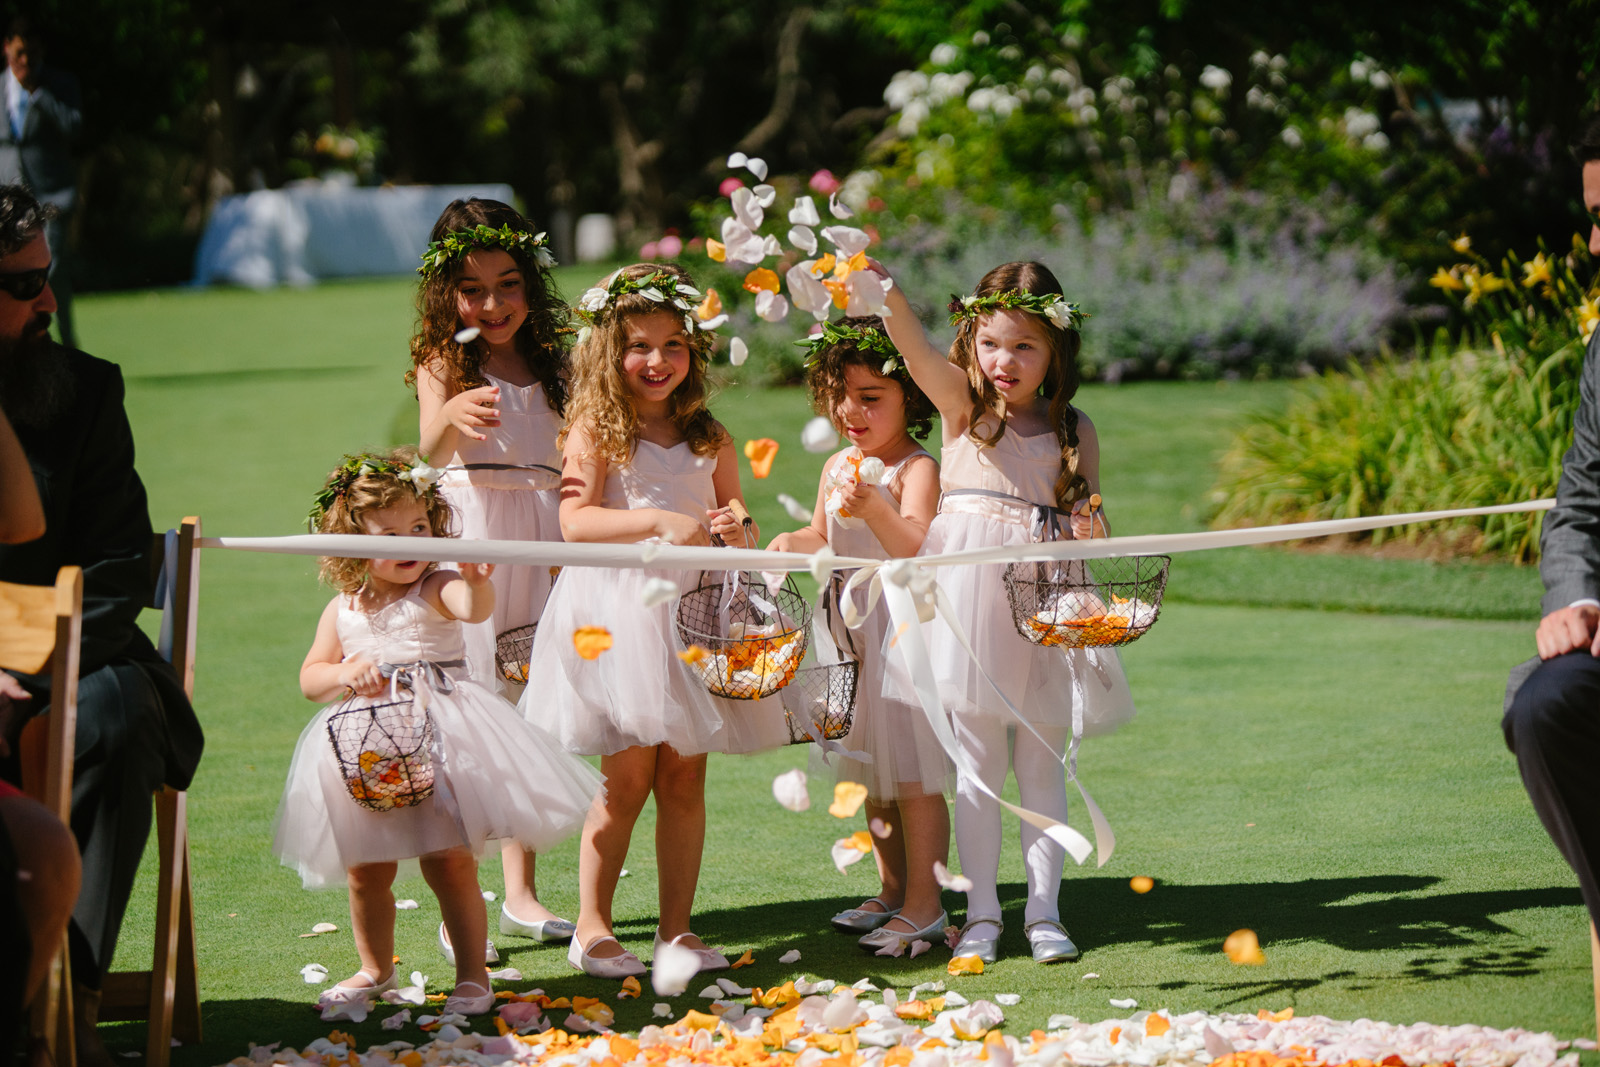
<point>41,158</point>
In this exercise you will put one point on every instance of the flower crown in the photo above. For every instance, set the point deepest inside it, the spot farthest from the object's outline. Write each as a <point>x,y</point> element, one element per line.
<point>1062,313</point>
<point>865,339</point>
<point>702,314</point>
<point>421,476</point>
<point>458,243</point>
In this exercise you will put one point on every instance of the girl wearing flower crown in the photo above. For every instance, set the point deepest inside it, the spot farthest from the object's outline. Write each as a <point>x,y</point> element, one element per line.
<point>489,369</point>
<point>643,461</point>
<point>1019,464</point>
<point>876,499</point>
<point>416,761</point>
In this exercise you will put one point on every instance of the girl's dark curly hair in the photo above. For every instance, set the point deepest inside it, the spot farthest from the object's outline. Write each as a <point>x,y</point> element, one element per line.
<point>826,383</point>
<point>540,338</point>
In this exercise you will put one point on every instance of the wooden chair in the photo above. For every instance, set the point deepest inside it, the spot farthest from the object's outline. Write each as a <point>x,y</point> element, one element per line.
<point>168,994</point>
<point>42,626</point>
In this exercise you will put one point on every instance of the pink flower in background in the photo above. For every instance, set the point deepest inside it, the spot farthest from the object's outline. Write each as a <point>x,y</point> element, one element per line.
<point>728,186</point>
<point>669,246</point>
<point>696,244</point>
<point>649,250</point>
<point>824,182</point>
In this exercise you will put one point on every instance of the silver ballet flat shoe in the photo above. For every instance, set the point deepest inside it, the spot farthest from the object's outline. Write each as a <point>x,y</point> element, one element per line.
<point>1050,942</point>
<point>543,930</point>
<point>621,966</point>
<point>985,947</point>
<point>448,951</point>
<point>342,1003</point>
<point>861,921</point>
<point>884,937</point>
<point>710,958</point>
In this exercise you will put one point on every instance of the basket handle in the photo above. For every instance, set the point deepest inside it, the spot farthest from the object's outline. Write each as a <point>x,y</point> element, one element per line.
<point>737,509</point>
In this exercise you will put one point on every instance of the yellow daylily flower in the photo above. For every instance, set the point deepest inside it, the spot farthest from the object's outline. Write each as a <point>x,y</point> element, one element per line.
<point>1536,271</point>
<point>1480,285</point>
<point>1461,245</point>
<point>1446,279</point>
<point>847,800</point>
<point>1588,318</point>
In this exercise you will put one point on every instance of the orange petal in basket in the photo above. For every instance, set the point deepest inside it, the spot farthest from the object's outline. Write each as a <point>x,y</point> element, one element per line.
<point>761,452</point>
<point>590,641</point>
<point>847,800</point>
<point>761,279</point>
<point>716,250</point>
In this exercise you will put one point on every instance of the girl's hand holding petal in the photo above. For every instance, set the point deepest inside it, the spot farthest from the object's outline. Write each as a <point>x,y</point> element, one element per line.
<point>473,408</point>
<point>862,501</point>
<point>677,529</point>
<point>362,676</point>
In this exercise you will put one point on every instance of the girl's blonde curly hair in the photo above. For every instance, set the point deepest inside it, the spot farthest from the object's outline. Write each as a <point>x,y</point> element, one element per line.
<point>355,495</point>
<point>599,398</point>
<point>1060,380</point>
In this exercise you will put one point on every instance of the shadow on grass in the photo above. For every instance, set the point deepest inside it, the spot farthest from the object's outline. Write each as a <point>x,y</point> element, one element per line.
<point>208,378</point>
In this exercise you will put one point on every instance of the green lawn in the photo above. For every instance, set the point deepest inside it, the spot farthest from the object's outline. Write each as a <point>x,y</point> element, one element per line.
<point>1333,779</point>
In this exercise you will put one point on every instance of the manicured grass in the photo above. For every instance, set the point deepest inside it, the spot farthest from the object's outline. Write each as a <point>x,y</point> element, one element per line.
<point>1333,779</point>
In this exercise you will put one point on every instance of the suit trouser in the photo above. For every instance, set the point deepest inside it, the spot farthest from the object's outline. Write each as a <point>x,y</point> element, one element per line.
<point>1553,726</point>
<point>55,237</point>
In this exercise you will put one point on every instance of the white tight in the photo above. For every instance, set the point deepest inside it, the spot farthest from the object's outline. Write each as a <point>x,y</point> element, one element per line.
<point>1042,783</point>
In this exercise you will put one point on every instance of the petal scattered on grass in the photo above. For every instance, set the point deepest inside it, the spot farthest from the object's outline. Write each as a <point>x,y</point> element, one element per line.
<point>590,641</point>
<point>964,965</point>
<point>630,988</point>
<point>1244,948</point>
<point>893,948</point>
<point>1124,1003</point>
<point>468,335</point>
<point>658,591</point>
<point>792,956</point>
<point>744,961</point>
<point>958,883</point>
<point>789,789</point>
<point>506,974</point>
<point>314,973</point>
<point>797,511</point>
<point>325,928</point>
<point>819,435</point>
<point>397,1020</point>
<point>847,799</point>
<point>1091,974</point>
<point>661,1010</point>
<point>761,452</point>
<point>919,946</point>
<point>730,988</point>
<point>1008,999</point>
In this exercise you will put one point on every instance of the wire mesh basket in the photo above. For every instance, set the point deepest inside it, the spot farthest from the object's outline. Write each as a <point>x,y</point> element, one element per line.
<point>821,702</point>
<point>752,637</point>
<point>512,650</point>
<point>1087,603</point>
<point>384,752</point>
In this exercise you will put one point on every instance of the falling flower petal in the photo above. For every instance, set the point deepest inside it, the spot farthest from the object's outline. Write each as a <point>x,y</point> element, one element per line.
<point>405,905</point>
<point>710,307</point>
<point>1141,884</point>
<point>771,246</point>
<point>765,195</point>
<point>743,245</point>
<point>804,212</point>
<point>771,306</point>
<point>468,335</point>
<point>1124,1004</point>
<point>761,452</point>
<point>792,956</point>
<point>807,292</point>
<point>956,883</point>
<point>789,789</point>
<point>839,208</point>
<point>847,799</point>
<point>847,239</point>
<point>658,591</point>
<point>761,278</point>
<point>1244,948</point>
<point>758,167</point>
<point>716,250</point>
<point>918,947</point>
<point>590,641</point>
<point>819,435</point>
<point>796,510</point>
<point>324,928</point>
<point>869,294</point>
<point>693,654</point>
<point>964,965</point>
<point>314,973</point>
<point>488,895</point>
<point>672,968</point>
<point>737,159</point>
<point>803,238</point>
<point>746,210</point>
<point>846,853</point>
<point>630,988</point>
<point>879,828</point>
<point>738,352</point>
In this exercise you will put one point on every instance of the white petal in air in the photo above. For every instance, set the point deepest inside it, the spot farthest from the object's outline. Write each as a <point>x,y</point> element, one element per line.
<point>868,294</point>
<point>711,323</point>
<point>771,306</point>
<point>789,788</point>
<point>672,968</point>
<point>803,238</point>
<point>658,591</point>
<point>839,208</point>
<point>804,212</point>
<point>738,352</point>
<point>879,828</point>
<point>844,855</point>
<point>956,883</point>
<point>737,159</point>
<point>758,167</point>
<point>771,246</point>
<point>848,239</point>
<point>765,195</point>
<point>743,244</point>
<point>819,435</point>
<point>488,895</point>
<point>796,510</point>
<point>745,208</point>
<point>405,905</point>
<point>468,335</point>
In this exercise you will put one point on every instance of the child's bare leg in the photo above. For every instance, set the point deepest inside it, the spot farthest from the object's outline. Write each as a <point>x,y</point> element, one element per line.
<point>606,832</point>
<point>453,877</point>
<point>680,787</point>
<point>890,853</point>
<point>522,896</point>
<point>372,920</point>
<point>925,837</point>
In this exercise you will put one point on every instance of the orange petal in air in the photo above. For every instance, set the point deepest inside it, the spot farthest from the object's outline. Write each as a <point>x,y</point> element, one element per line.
<point>861,841</point>
<point>710,307</point>
<point>823,265</point>
<point>693,654</point>
<point>847,799</point>
<point>1243,947</point>
<point>716,250</point>
<point>761,279</point>
<point>839,291</point>
<point>590,641</point>
<point>761,452</point>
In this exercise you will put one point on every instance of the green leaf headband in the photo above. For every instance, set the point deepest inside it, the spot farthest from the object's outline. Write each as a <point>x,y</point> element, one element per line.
<point>421,476</point>
<point>1062,313</point>
<point>866,339</point>
<point>458,243</point>
<point>663,287</point>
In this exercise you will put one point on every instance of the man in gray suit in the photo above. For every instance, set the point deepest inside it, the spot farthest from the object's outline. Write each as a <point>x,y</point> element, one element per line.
<point>1552,719</point>
<point>43,116</point>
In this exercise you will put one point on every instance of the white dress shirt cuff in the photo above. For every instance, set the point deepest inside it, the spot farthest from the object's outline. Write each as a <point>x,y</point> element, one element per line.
<point>1589,600</point>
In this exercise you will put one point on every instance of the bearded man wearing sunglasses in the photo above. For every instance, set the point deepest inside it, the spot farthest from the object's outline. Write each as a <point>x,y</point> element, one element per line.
<point>136,729</point>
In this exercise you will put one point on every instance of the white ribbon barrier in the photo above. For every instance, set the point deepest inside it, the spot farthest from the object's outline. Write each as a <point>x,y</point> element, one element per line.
<point>911,595</point>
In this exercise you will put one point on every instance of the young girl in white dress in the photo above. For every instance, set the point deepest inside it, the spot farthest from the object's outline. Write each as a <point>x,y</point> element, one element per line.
<point>1019,463</point>
<point>876,499</point>
<point>489,368</point>
<point>644,461</point>
<point>417,764</point>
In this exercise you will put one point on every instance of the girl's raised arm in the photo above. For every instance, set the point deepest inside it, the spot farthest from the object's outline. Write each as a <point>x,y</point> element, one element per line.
<point>326,674</point>
<point>444,418</point>
<point>944,382</point>
<point>583,518</point>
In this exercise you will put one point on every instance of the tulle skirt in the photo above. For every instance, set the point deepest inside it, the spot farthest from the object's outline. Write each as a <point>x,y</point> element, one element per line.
<point>520,592</point>
<point>639,692</point>
<point>496,777</point>
<point>1044,683</point>
<point>905,759</point>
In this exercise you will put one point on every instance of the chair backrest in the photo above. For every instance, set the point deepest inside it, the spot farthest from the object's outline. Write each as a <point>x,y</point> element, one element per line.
<point>175,560</point>
<point>40,626</point>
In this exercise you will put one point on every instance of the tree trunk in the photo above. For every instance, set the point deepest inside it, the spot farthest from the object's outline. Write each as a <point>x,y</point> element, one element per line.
<point>637,183</point>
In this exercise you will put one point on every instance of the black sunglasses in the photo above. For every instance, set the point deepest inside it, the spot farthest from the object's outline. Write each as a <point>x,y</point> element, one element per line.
<point>25,284</point>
